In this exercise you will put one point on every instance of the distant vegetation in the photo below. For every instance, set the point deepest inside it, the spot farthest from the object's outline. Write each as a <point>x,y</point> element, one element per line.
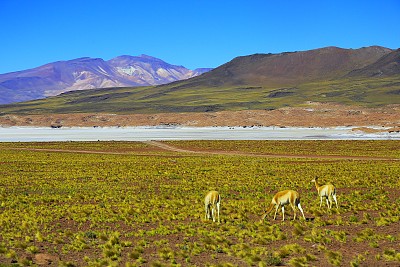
<point>144,206</point>
<point>368,92</point>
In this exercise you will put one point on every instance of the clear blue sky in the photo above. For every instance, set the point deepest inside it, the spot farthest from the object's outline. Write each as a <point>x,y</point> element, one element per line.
<point>192,33</point>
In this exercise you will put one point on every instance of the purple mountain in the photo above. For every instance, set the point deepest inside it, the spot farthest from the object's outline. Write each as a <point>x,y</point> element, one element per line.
<point>89,73</point>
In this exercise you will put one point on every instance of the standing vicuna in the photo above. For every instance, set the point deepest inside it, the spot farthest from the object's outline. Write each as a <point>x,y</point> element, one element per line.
<point>212,203</point>
<point>283,198</point>
<point>327,191</point>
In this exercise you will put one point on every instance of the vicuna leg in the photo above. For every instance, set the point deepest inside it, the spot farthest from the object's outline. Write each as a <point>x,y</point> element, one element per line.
<point>334,198</point>
<point>283,213</point>
<point>294,211</point>
<point>276,211</point>
<point>218,210</point>
<point>299,206</point>
<point>327,202</point>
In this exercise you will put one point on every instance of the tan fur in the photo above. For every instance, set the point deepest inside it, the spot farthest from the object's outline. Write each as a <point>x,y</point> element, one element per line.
<point>281,199</point>
<point>327,191</point>
<point>212,204</point>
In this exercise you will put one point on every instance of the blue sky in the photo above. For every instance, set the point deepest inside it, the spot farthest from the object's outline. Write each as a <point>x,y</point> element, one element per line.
<point>196,33</point>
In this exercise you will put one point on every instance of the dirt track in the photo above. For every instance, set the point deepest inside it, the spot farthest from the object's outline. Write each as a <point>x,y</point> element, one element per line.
<point>164,146</point>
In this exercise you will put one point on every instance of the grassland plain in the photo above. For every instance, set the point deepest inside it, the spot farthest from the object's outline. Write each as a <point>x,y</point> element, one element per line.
<point>138,204</point>
<point>189,97</point>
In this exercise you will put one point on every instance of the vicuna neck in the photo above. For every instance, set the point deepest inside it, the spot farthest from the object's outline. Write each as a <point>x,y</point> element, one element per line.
<point>316,184</point>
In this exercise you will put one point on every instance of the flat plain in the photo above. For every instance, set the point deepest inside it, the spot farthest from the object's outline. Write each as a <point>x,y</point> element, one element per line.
<point>142,203</point>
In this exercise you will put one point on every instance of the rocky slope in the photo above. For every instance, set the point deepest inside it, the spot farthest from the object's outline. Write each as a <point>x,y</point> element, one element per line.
<point>311,115</point>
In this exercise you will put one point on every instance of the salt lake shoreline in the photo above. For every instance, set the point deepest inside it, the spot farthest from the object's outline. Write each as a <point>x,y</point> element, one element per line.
<point>173,132</point>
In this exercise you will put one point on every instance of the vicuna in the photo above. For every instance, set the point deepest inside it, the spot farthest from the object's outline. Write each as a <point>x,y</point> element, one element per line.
<point>283,198</point>
<point>212,205</point>
<point>327,191</point>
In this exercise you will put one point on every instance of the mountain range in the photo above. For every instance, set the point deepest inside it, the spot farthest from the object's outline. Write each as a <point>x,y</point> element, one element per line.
<point>89,73</point>
<point>368,76</point>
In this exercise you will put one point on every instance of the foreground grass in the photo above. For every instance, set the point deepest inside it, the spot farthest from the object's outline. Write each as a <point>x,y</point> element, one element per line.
<point>144,207</point>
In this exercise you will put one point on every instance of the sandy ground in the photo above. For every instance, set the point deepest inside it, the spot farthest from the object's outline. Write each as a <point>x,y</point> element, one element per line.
<point>311,115</point>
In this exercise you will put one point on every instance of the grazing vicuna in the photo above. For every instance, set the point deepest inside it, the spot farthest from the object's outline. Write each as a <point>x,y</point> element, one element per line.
<point>327,191</point>
<point>212,204</point>
<point>283,198</point>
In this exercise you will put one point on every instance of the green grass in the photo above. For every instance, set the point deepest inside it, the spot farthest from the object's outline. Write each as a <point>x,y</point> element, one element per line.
<point>187,97</point>
<point>362,148</point>
<point>145,205</point>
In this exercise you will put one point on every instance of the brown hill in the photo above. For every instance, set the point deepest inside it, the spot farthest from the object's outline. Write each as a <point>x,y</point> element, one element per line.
<point>387,65</point>
<point>291,68</point>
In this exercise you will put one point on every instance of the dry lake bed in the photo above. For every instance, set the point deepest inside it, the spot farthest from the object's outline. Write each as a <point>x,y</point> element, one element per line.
<point>47,134</point>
